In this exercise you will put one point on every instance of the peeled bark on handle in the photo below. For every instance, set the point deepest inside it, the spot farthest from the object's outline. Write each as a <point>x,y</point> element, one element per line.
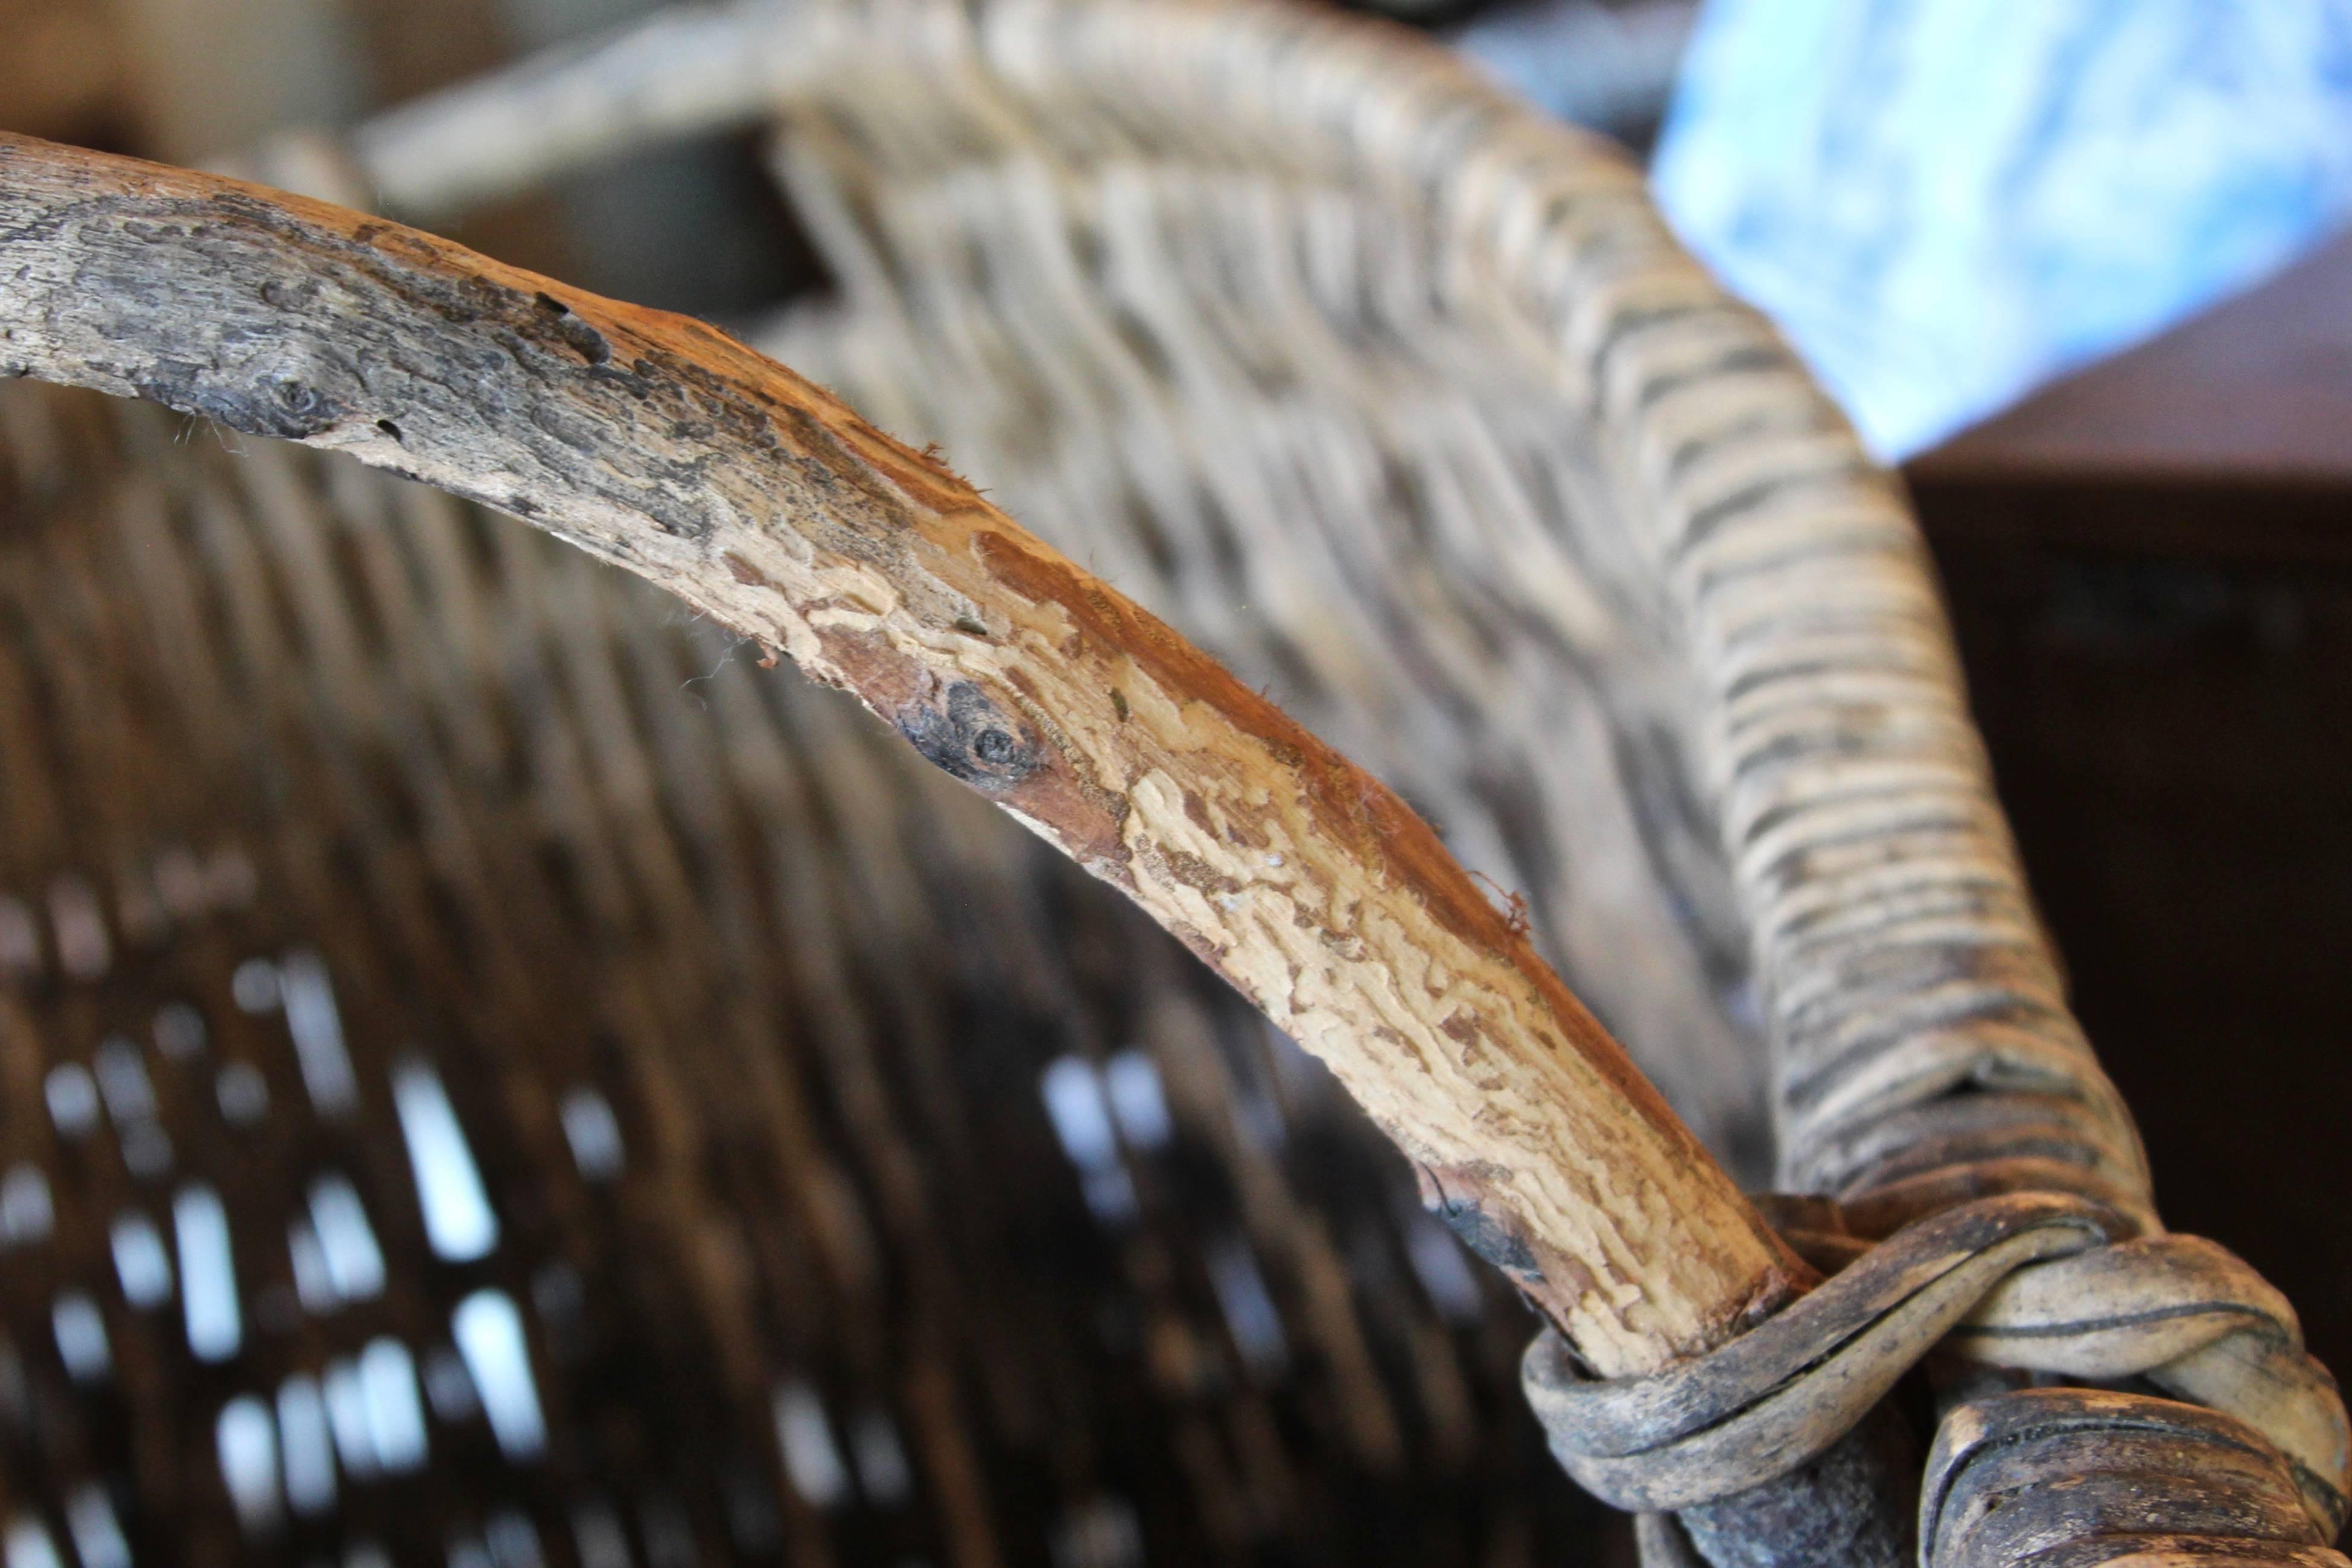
<point>662,444</point>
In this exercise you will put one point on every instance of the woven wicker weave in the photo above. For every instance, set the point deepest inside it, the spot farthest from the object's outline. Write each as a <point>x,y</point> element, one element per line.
<point>317,780</point>
<point>865,1184</point>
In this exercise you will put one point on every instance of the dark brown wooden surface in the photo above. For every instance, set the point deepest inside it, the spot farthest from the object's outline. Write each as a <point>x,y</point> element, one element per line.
<point>2163,671</point>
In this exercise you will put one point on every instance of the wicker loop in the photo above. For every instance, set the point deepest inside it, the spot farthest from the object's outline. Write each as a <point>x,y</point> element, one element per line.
<point>2031,1282</point>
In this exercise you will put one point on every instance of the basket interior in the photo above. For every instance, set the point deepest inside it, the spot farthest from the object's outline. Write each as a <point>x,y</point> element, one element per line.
<point>493,1071</point>
<point>494,1076</point>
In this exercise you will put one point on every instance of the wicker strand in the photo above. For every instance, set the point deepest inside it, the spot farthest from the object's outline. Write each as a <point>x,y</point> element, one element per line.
<point>2032,1283</point>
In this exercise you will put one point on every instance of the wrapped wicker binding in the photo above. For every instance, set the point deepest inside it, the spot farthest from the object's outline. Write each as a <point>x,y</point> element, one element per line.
<point>496,1075</point>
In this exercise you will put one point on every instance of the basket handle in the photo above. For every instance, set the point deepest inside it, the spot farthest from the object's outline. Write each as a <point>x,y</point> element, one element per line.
<point>666,446</point>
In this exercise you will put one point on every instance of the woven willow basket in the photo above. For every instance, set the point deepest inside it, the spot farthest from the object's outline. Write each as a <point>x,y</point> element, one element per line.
<point>493,1074</point>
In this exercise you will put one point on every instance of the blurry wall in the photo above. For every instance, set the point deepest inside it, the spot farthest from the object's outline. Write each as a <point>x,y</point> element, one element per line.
<point>59,73</point>
<point>187,80</point>
<point>179,79</point>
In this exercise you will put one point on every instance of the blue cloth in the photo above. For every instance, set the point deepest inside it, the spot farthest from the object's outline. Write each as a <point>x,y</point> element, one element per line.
<point>1945,203</point>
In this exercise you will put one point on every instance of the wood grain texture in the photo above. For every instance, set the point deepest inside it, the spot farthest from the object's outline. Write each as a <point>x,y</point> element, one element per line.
<point>663,446</point>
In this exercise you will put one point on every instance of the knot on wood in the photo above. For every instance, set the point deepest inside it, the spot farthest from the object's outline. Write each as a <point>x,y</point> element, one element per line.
<point>969,737</point>
<point>284,402</point>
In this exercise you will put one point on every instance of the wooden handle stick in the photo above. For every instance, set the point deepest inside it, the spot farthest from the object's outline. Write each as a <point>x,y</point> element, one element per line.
<point>662,444</point>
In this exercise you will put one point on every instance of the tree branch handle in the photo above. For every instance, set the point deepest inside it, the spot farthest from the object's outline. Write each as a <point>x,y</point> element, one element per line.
<point>666,446</point>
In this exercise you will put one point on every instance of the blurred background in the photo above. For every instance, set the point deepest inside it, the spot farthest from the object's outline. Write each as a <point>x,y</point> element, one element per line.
<point>2075,267</point>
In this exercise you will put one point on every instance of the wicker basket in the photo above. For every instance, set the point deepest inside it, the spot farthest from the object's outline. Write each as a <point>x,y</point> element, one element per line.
<point>493,1074</point>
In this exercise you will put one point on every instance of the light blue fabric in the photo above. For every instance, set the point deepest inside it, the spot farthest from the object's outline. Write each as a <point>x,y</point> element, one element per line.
<point>1946,202</point>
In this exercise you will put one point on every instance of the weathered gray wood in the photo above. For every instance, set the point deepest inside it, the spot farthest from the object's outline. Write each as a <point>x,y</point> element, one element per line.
<point>2060,1477</point>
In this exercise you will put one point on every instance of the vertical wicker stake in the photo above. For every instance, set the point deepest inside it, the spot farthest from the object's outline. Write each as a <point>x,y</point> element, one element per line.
<point>661,445</point>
